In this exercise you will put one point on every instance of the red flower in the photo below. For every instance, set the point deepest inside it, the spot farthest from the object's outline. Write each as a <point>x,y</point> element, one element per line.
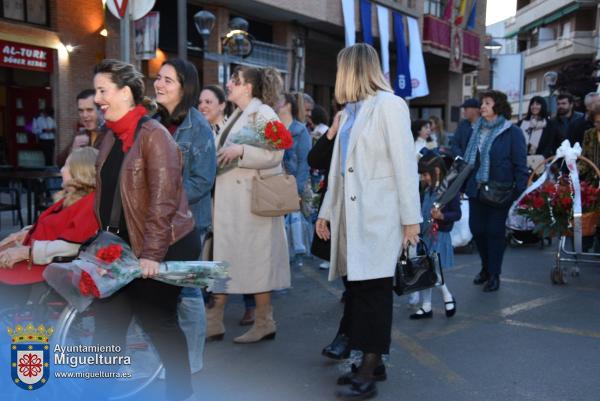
<point>538,202</point>
<point>110,253</point>
<point>278,135</point>
<point>87,286</point>
<point>566,202</point>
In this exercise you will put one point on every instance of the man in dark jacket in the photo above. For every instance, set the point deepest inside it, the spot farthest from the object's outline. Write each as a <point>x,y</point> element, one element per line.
<point>91,125</point>
<point>463,131</point>
<point>566,117</point>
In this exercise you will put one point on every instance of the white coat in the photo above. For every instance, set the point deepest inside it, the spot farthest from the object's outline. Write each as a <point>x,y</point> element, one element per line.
<point>254,246</point>
<point>380,189</point>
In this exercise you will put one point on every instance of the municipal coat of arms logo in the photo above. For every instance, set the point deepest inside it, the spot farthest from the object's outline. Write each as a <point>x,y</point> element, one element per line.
<point>30,355</point>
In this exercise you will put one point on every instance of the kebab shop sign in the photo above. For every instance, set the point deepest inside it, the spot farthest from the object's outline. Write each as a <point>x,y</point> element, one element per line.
<point>17,55</point>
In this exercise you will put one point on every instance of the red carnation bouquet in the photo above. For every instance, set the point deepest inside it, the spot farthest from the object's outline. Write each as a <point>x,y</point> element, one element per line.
<point>108,264</point>
<point>261,133</point>
<point>550,206</point>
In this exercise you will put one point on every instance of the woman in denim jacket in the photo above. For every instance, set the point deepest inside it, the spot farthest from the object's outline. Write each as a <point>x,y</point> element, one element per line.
<point>177,92</point>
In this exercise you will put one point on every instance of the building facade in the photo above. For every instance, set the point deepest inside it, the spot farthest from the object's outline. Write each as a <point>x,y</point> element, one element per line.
<point>38,72</point>
<point>551,34</point>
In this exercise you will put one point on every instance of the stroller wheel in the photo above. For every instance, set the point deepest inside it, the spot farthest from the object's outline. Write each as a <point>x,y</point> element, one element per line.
<point>557,276</point>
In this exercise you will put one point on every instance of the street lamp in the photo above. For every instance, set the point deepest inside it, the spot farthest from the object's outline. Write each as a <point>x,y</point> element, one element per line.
<point>550,79</point>
<point>205,22</point>
<point>238,41</point>
<point>492,47</point>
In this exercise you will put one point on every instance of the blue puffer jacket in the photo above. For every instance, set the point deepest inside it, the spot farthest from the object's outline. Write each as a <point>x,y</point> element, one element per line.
<point>197,144</point>
<point>508,161</point>
<point>295,160</point>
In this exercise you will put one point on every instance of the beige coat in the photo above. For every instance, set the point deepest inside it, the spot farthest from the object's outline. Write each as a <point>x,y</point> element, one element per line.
<point>255,247</point>
<point>379,192</point>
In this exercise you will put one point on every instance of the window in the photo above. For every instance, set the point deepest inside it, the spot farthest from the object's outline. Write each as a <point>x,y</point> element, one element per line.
<point>411,4</point>
<point>532,87</point>
<point>32,11</point>
<point>566,29</point>
<point>435,7</point>
<point>468,80</point>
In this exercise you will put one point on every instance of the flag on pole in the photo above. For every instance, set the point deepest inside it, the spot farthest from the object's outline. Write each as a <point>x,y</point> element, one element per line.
<point>461,14</point>
<point>383,20</point>
<point>448,10</point>
<point>472,16</point>
<point>416,62</point>
<point>402,82</point>
<point>349,24</point>
<point>365,21</point>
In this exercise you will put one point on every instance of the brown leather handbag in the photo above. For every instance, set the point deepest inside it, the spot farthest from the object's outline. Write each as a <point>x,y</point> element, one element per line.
<point>274,195</point>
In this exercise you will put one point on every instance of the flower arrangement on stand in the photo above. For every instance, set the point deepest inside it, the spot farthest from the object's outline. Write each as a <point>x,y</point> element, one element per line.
<point>550,207</point>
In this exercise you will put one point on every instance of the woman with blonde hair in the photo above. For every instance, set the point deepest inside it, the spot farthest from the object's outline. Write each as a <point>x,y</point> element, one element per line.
<point>371,209</point>
<point>437,136</point>
<point>254,246</point>
<point>58,232</point>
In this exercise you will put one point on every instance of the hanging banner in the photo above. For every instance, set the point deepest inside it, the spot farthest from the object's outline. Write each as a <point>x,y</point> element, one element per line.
<point>383,20</point>
<point>456,50</point>
<point>18,55</point>
<point>416,61</point>
<point>365,21</point>
<point>146,36</point>
<point>349,23</point>
<point>402,82</point>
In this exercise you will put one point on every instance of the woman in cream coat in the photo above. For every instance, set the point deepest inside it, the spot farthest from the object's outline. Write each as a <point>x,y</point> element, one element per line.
<point>372,206</point>
<point>254,246</point>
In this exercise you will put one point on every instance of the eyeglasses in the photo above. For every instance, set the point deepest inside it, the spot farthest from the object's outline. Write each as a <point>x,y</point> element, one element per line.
<point>237,81</point>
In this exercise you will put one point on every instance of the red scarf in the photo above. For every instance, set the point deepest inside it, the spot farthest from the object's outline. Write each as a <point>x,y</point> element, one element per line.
<point>125,127</point>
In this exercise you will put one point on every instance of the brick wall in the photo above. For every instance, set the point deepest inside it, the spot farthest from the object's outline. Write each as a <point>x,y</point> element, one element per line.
<point>77,22</point>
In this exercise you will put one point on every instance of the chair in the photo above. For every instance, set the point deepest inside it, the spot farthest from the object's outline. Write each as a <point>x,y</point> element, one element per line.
<point>45,190</point>
<point>13,204</point>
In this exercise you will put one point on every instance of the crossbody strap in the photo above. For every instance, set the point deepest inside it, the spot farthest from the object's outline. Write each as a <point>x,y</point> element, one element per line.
<point>117,204</point>
<point>227,130</point>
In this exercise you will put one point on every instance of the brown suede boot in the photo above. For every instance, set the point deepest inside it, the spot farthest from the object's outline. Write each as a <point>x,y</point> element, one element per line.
<point>215,329</point>
<point>264,327</point>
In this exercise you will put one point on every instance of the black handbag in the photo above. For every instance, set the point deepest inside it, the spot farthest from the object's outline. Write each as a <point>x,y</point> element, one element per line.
<point>496,194</point>
<point>418,273</point>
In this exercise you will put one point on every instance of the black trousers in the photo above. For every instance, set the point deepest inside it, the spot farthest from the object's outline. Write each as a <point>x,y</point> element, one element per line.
<point>488,228</point>
<point>47,146</point>
<point>369,306</point>
<point>154,304</point>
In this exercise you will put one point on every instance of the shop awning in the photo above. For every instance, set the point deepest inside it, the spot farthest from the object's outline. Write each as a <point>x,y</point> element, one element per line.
<point>558,14</point>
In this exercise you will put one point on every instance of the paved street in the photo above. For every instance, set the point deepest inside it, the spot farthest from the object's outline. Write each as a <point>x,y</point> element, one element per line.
<point>530,341</point>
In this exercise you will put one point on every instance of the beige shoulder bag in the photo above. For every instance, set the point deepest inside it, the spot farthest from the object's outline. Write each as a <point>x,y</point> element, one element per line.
<point>274,195</point>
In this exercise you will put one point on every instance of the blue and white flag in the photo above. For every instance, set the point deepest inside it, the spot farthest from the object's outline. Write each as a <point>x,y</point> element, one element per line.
<point>416,62</point>
<point>402,82</point>
<point>365,21</point>
<point>349,23</point>
<point>383,20</point>
<point>472,16</point>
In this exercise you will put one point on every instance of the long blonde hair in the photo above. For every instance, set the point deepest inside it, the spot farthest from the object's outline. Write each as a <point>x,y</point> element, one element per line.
<point>82,167</point>
<point>358,74</point>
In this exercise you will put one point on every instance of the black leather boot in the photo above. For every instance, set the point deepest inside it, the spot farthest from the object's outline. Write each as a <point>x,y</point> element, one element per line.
<point>379,375</point>
<point>493,283</point>
<point>362,386</point>
<point>338,349</point>
<point>481,277</point>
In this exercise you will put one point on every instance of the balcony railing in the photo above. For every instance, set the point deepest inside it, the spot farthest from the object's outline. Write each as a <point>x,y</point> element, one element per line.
<point>270,55</point>
<point>471,45</point>
<point>436,32</point>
